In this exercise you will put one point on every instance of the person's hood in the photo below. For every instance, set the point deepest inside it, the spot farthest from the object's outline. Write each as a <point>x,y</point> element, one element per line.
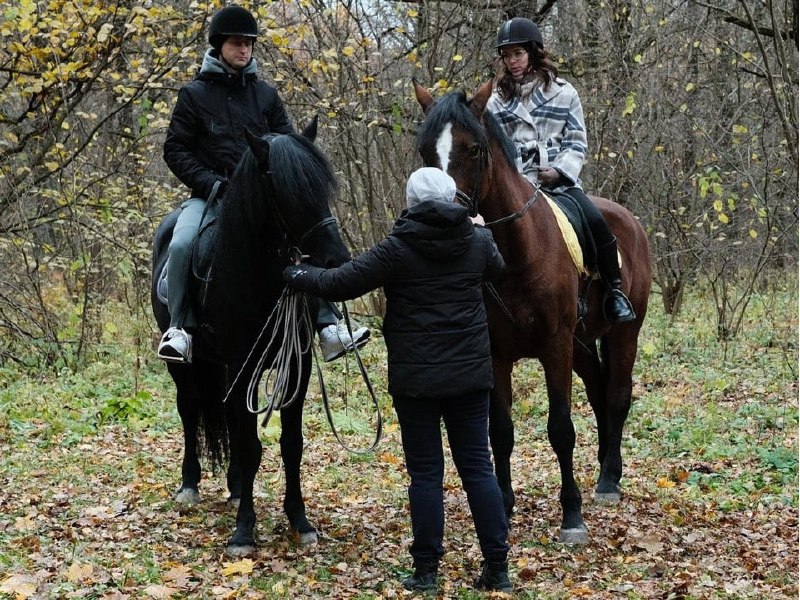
<point>438,230</point>
<point>214,67</point>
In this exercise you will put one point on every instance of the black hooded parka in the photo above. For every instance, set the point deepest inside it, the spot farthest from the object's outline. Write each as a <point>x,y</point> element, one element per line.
<point>431,268</point>
<point>205,139</point>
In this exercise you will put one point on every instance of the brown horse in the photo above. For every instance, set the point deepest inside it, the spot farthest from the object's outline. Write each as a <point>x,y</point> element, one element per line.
<point>533,309</point>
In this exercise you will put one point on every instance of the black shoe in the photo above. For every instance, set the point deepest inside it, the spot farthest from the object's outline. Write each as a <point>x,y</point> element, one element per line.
<point>617,308</point>
<point>494,577</point>
<point>424,579</point>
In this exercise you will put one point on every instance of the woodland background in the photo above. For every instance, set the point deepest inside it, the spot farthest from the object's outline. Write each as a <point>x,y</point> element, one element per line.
<point>692,113</point>
<point>691,108</point>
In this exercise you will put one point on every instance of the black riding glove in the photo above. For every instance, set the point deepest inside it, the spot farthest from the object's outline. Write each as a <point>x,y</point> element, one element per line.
<point>293,272</point>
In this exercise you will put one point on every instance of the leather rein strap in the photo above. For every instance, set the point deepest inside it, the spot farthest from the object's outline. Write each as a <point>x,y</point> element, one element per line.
<point>289,316</point>
<point>516,215</point>
<point>365,376</point>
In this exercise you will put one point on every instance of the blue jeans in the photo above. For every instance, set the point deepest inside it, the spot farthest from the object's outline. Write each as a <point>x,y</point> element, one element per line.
<point>466,421</point>
<point>186,227</point>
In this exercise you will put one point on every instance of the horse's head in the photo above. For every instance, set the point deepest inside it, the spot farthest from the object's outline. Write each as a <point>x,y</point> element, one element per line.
<point>457,136</point>
<point>297,183</point>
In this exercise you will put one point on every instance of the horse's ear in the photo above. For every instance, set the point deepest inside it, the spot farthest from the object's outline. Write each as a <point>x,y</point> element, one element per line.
<point>478,102</point>
<point>258,146</point>
<point>423,95</point>
<point>310,130</point>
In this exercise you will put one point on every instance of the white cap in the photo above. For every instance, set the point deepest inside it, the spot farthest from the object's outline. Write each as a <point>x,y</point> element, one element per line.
<point>430,183</point>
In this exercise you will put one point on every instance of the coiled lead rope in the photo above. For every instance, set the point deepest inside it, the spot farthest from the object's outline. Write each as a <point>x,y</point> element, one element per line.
<point>291,324</point>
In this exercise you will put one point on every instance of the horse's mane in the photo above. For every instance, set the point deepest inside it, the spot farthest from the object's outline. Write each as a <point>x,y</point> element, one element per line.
<point>301,173</point>
<point>498,133</point>
<point>302,177</point>
<point>453,107</point>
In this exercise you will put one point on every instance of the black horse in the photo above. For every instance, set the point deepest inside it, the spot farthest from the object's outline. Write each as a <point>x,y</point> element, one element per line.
<point>276,200</point>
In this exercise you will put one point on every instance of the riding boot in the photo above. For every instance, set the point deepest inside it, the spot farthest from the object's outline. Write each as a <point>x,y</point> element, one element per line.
<point>424,578</point>
<point>494,577</point>
<point>616,306</point>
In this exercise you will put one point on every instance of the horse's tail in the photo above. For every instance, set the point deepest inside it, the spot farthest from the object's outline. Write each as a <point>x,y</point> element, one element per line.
<point>200,391</point>
<point>214,434</point>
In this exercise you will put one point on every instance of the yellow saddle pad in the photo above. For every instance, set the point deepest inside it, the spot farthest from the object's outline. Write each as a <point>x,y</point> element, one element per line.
<point>569,236</point>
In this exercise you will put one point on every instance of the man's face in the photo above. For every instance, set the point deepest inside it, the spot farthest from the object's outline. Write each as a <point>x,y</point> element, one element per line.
<point>237,51</point>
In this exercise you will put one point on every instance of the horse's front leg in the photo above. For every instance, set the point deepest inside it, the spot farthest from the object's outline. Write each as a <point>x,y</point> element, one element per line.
<point>233,477</point>
<point>292,455</point>
<point>245,440</point>
<point>188,409</point>
<point>557,365</point>
<point>501,430</point>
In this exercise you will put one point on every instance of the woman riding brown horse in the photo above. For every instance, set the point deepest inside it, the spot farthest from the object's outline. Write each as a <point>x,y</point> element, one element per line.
<point>534,309</point>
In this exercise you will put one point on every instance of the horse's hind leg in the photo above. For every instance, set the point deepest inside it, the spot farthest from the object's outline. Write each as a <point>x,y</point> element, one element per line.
<point>618,349</point>
<point>595,378</point>
<point>292,454</point>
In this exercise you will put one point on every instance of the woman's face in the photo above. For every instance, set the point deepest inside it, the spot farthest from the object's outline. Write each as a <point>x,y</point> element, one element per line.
<point>237,51</point>
<point>515,58</point>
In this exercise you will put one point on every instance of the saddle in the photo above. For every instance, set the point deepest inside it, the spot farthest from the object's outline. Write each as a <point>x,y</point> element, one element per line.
<point>574,230</point>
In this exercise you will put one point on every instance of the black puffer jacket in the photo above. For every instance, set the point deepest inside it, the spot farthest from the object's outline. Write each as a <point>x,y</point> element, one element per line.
<point>431,268</point>
<point>205,139</point>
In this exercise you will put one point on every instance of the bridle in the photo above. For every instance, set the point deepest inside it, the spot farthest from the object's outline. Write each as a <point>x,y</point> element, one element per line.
<point>472,202</point>
<point>289,234</point>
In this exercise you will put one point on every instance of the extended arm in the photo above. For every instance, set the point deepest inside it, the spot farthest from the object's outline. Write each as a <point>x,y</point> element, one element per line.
<point>351,280</point>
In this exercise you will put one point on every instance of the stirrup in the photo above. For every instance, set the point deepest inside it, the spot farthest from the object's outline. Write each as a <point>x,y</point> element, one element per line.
<point>622,310</point>
<point>175,346</point>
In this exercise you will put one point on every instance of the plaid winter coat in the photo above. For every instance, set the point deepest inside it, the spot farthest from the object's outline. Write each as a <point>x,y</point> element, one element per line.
<point>546,126</point>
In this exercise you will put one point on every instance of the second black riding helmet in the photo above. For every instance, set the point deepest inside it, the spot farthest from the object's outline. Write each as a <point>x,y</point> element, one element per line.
<point>230,21</point>
<point>519,31</point>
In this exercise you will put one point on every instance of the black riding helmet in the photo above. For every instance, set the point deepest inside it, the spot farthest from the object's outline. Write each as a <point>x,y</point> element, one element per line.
<point>230,21</point>
<point>519,31</point>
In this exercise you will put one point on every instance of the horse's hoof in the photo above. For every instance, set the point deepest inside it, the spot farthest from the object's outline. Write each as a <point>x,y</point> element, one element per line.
<point>188,496</point>
<point>234,501</point>
<point>607,497</point>
<point>238,551</point>
<point>579,535</point>
<point>305,538</point>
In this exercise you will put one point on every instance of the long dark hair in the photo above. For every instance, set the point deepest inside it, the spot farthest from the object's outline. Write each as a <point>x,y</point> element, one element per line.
<point>540,66</point>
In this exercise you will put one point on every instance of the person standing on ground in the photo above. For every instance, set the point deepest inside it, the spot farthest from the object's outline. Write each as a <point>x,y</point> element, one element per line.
<point>431,267</point>
<point>205,140</point>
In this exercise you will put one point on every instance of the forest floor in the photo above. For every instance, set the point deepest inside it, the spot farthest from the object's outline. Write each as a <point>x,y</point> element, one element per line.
<point>90,461</point>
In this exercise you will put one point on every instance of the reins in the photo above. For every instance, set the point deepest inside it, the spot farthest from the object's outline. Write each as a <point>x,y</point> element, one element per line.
<point>364,375</point>
<point>291,320</point>
<point>516,215</point>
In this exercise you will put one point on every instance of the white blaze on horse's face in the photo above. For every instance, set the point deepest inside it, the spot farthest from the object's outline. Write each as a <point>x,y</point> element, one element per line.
<point>444,145</point>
